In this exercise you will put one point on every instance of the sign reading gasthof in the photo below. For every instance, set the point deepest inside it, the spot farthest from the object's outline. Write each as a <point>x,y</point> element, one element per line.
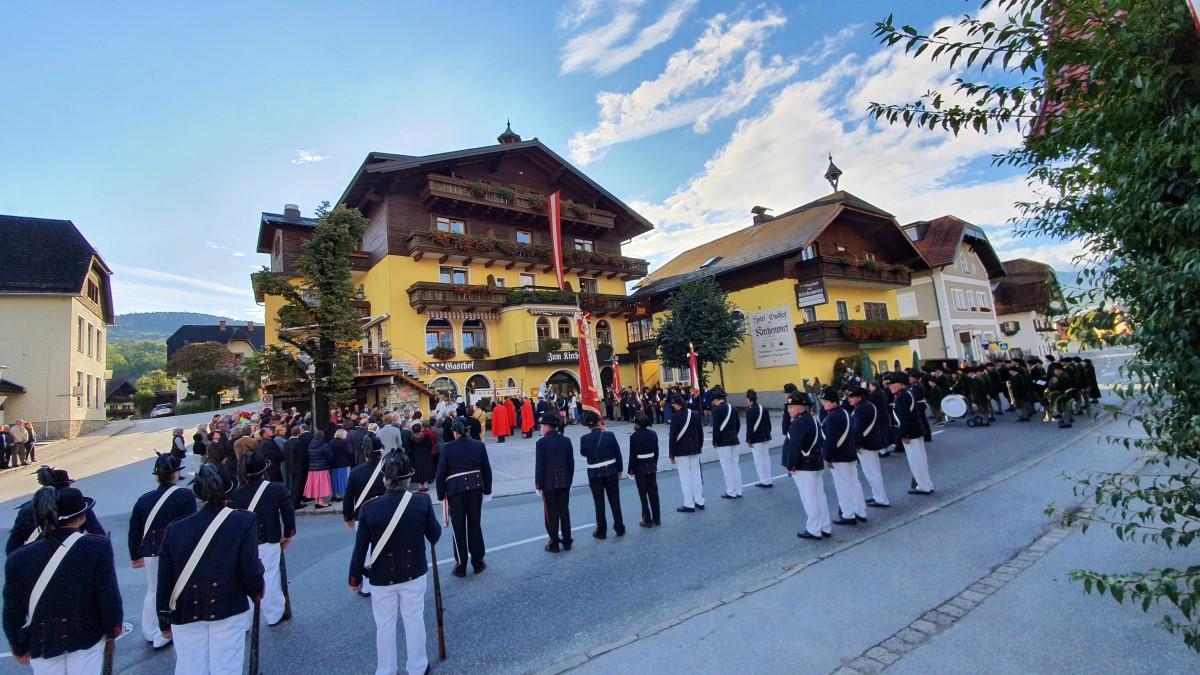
<point>811,293</point>
<point>770,332</point>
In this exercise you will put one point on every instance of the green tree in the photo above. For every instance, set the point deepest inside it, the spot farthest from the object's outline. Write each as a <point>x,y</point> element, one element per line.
<point>143,400</point>
<point>1109,97</point>
<point>319,320</point>
<point>155,380</point>
<point>208,368</point>
<point>131,360</point>
<point>699,313</point>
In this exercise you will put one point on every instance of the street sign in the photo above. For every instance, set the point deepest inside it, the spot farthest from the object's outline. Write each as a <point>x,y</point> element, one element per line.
<point>268,399</point>
<point>811,293</point>
<point>1003,346</point>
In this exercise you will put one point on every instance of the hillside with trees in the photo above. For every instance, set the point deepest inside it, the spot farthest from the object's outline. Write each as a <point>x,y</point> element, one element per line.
<point>159,326</point>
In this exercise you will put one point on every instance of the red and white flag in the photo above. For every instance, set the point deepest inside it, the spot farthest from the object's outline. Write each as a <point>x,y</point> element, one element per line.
<point>589,368</point>
<point>695,371</point>
<point>1195,16</point>
<point>554,206</point>
<point>616,376</point>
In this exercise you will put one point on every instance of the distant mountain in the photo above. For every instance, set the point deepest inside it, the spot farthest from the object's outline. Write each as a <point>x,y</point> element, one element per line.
<point>159,326</point>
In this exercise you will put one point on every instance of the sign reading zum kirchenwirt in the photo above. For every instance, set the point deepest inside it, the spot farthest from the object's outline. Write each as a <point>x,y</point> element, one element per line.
<point>770,333</point>
<point>811,293</point>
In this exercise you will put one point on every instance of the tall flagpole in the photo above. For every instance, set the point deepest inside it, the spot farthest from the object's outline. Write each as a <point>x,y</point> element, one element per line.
<point>554,207</point>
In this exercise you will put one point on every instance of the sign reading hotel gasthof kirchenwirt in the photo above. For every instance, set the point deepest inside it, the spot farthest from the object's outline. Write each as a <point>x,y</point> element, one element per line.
<point>771,335</point>
<point>811,293</point>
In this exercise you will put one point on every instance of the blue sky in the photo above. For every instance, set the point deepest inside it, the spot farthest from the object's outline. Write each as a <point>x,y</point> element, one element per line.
<point>164,129</point>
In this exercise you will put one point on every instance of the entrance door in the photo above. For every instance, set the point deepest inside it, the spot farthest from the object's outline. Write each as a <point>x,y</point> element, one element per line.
<point>562,382</point>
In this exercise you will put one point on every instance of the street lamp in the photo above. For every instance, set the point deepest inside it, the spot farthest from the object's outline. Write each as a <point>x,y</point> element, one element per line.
<point>312,380</point>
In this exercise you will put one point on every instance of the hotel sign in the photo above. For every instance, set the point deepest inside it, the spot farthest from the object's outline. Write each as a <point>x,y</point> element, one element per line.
<point>811,293</point>
<point>770,332</point>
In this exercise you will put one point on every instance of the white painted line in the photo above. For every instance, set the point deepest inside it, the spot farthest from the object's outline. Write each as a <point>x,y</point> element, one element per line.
<point>515,543</point>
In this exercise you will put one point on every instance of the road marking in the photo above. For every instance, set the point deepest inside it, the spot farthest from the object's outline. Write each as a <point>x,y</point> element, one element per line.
<point>518,543</point>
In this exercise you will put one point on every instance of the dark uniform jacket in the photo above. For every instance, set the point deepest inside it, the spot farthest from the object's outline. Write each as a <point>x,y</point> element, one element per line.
<point>687,437</point>
<point>725,416</point>
<point>554,462</point>
<point>643,452</point>
<point>803,449</point>
<point>25,525</point>
<point>80,605</point>
<point>295,451</point>
<point>839,437</point>
<point>182,502</point>
<point>463,466</point>
<point>227,576</point>
<point>598,447</point>
<point>867,426</point>
<point>908,415</point>
<point>402,557</point>
<point>273,450</point>
<point>273,509</point>
<point>758,424</point>
<point>980,387</point>
<point>359,476</point>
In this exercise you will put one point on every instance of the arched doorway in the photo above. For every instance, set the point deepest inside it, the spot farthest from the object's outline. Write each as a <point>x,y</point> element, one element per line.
<point>476,383</point>
<point>562,382</point>
<point>606,378</point>
<point>445,386</point>
<point>510,383</point>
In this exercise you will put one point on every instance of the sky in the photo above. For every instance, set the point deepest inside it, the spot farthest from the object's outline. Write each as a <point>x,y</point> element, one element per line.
<point>163,130</point>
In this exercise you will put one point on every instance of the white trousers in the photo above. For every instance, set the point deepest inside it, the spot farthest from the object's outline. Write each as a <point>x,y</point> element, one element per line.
<point>849,490</point>
<point>691,480</point>
<point>271,605</point>
<point>149,607</point>
<point>869,461</point>
<point>84,662</point>
<point>918,463</point>
<point>762,462</point>
<point>732,468</point>
<point>211,647</point>
<point>812,496</point>
<point>366,585</point>
<point>406,600</point>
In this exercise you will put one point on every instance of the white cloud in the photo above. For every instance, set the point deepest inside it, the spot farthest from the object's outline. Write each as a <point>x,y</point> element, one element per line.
<point>306,156</point>
<point>122,272</point>
<point>682,95</point>
<point>239,254</point>
<point>213,245</point>
<point>574,14</point>
<point>601,49</point>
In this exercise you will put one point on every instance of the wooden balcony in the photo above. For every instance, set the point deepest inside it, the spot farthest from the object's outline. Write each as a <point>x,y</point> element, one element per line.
<point>834,269</point>
<point>820,333</point>
<point>487,198</point>
<point>360,261</point>
<point>508,255</point>
<point>427,295</point>
<point>858,332</point>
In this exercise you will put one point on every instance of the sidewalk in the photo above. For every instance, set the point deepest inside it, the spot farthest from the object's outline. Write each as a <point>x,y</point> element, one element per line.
<point>47,450</point>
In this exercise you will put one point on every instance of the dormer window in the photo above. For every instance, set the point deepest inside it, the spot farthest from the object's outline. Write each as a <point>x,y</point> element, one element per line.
<point>711,261</point>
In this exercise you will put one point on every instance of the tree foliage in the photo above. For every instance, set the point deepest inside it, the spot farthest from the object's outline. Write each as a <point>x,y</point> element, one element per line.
<point>319,320</point>
<point>1108,94</point>
<point>131,360</point>
<point>699,313</point>
<point>143,400</point>
<point>156,380</point>
<point>208,367</point>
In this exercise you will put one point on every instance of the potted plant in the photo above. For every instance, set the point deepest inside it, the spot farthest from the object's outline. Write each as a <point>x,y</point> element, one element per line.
<point>871,265</point>
<point>476,189</point>
<point>845,260</point>
<point>478,352</point>
<point>580,210</point>
<point>902,268</point>
<point>536,201</point>
<point>442,353</point>
<point>574,342</point>
<point>506,194</point>
<point>550,344</point>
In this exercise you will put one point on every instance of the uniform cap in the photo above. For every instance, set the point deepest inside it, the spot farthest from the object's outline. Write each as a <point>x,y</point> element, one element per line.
<point>751,395</point>
<point>796,398</point>
<point>71,504</point>
<point>830,394</point>
<point>717,391</point>
<point>589,419</point>
<point>858,392</point>
<point>676,399</point>
<point>256,464</point>
<point>550,420</point>
<point>896,378</point>
<point>166,464</point>
<point>48,476</point>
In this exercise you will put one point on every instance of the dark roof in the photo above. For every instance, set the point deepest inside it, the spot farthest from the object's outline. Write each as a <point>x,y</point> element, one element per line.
<point>54,257</point>
<point>1030,286</point>
<point>10,387</point>
<point>382,163</point>
<point>784,234</point>
<point>122,388</point>
<point>193,334</point>
<point>270,221</point>
<point>939,239</point>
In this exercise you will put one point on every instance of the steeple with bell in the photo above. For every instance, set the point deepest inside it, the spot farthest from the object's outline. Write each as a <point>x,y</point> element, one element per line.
<point>509,136</point>
<point>833,174</point>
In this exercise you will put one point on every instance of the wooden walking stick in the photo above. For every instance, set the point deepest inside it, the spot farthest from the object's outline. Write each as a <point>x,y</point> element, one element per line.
<point>254,640</point>
<point>283,581</point>
<point>437,604</point>
<point>109,648</point>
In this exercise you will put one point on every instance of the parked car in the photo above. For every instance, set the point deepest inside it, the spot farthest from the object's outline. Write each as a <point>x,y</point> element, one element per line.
<point>162,410</point>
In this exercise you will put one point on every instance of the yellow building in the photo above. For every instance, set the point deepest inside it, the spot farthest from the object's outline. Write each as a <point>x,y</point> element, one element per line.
<point>461,295</point>
<point>814,284</point>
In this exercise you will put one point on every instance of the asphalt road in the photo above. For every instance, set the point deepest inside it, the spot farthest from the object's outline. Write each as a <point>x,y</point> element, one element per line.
<point>531,610</point>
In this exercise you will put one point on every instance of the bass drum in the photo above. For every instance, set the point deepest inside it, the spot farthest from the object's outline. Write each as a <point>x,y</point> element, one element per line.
<point>954,405</point>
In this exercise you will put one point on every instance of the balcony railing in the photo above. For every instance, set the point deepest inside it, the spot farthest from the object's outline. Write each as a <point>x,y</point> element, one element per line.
<point>529,257</point>
<point>848,269</point>
<point>372,361</point>
<point>522,203</point>
<point>426,295</point>
<point>858,332</point>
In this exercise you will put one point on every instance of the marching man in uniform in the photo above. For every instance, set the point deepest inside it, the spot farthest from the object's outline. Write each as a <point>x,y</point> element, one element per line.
<point>842,459</point>
<point>908,427</point>
<point>684,447</point>
<point>394,528</point>
<point>643,468</point>
<point>464,478</point>
<point>272,506</point>
<point>726,427</point>
<point>803,461</point>
<point>758,437</point>
<point>605,471</point>
<point>554,469</point>
<point>867,429</point>
<point>148,525</point>
<point>25,528</point>
<point>365,483</point>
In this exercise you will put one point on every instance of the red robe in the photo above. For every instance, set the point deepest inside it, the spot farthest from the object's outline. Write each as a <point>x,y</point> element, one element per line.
<point>527,416</point>
<point>512,412</point>
<point>501,423</point>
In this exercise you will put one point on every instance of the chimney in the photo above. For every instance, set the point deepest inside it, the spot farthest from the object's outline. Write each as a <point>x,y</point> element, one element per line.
<point>291,212</point>
<point>250,326</point>
<point>760,215</point>
<point>222,324</point>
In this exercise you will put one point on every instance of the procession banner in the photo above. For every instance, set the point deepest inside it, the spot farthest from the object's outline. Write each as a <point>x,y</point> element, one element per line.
<point>589,370</point>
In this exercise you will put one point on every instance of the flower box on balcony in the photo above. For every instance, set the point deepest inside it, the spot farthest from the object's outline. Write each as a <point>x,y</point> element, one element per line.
<point>891,330</point>
<point>477,352</point>
<point>442,353</point>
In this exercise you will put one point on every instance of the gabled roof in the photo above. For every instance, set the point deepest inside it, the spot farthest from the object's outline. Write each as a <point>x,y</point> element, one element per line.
<point>51,256</point>
<point>9,387</point>
<point>270,221</point>
<point>787,233</point>
<point>940,238</point>
<point>123,388</point>
<point>1029,286</point>
<point>193,334</point>
<point>378,163</point>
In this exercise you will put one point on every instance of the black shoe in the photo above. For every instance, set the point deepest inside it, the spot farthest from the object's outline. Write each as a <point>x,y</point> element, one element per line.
<point>699,507</point>
<point>826,535</point>
<point>480,567</point>
<point>658,523</point>
<point>806,535</point>
<point>845,521</point>
<point>645,524</point>
<point>459,571</point>
<point>728,496</point>
<point>620,531</point>
<point>599,535</point>
<point>872,502</point>
<point>552,547</point>
<point>764,485</point>
<point>920,492</point>
<point>364,594</point>
<point>566,544</point>
<point>686,509</point>
<point>860,519</point>
<point>884,454</point>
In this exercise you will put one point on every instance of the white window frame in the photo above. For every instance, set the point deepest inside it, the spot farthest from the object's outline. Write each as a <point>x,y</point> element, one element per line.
<point>960,302</point>
<point>501,282</point>
<point>907,301</point>
<point>594,282</point>
<point>809,314</point>
<point>588,245</point>
<point>453,270</point>
<point>843,310</point>
<point>529,233</point>
<point>964,264</point>
<point>450,223</point>
<point>528,275</point>
<point>981,297</point>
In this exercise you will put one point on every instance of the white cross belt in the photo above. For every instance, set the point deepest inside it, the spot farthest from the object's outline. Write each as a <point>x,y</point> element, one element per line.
<point>597,466</point>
